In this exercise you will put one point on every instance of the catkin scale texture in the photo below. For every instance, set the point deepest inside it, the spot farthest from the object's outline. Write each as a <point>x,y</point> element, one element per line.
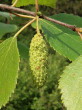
<point>38,58</point>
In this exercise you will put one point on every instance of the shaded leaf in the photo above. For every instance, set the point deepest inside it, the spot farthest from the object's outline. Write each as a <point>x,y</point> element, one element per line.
<point>23,50</point>
<point>5,14</point>
<point>71,85</point>
<point>9,65</point>
<point>63,40</point>
<point>41,2</point>
<point>6,28</point>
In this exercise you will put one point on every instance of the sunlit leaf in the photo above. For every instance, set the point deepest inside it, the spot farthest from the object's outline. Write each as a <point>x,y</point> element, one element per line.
<point>50,3</point>
<point>71,85</point>
<point>9,65</point>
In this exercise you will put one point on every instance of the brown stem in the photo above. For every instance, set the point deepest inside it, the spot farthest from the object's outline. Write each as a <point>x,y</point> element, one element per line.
<point>10,8</point>
<point>37,8</point>
<point>72,27</point>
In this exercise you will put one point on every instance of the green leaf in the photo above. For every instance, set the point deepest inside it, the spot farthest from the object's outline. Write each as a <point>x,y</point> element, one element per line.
<point>50,3</point>
<point>23,50</point>
<point>34,25</point>
<point>6,14</point>
<point>63,40</point>
<point>71,85</point>
<point>9,65</point>
<point>6,28</point>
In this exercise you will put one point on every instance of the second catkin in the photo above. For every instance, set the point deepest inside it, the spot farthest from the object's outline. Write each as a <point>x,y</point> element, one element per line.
<point>38,58</point>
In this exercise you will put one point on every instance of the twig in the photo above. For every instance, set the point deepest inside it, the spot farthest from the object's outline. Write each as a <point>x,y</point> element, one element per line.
<point>37,8</point>
<point>14,3</point>
<point>10,8</point>
<point>21,15</point>
<point>24,27</point>
<point>72,27</point>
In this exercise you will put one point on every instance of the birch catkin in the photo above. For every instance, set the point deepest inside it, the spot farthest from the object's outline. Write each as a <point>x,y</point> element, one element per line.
<point>38,58</point>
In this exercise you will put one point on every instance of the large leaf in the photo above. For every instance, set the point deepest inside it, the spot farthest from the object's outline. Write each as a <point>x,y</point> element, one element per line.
<point>9,65</point>
<point>71,85</point>
<point>6,14</point>
<point>50,3</point>
<point>63,40</point>
<point>23,50</point>
<point>6,28</point>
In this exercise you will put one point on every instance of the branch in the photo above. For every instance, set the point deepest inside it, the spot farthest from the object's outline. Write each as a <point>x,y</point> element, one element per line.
<point>37,8</point>
<point>10,8</point>
<point>21,15</point>
<point>72,27</point>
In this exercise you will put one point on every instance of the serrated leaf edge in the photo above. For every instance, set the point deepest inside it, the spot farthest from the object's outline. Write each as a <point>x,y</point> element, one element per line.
<point>15,83</point>
<point>59,82</point>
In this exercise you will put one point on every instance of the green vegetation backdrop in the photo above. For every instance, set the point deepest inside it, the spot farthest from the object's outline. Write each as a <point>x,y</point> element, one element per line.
<point>27,96</point>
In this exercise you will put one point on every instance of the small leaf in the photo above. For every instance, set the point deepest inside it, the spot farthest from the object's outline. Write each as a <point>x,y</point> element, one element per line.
<point>6,28</point>
<point>9,65</point>
<point>71,85</point>
<point>41,2</point>
<point>23,50</point>
<point>63,40</point>
<point>5,14</point>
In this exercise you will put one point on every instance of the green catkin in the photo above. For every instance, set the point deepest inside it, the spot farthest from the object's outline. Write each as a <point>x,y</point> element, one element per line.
<point>38,58</point>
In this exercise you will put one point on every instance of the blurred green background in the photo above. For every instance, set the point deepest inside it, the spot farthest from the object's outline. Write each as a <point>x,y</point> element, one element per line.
<point>27,96</point>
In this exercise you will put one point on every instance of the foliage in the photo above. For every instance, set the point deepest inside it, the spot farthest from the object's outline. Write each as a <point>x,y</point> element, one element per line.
<point>9,64</point>
<point>45,97</point>
<point>70,85</point>
<point>62,39</point>
<point>69,6</point>
<point>6,14</point>
<point>28,97</point>
<point>41,2</point>
<point>6,28</point>
<point>23,50</point>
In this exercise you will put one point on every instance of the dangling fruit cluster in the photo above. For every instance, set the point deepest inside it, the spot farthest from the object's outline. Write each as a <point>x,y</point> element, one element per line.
<point>38,58</point>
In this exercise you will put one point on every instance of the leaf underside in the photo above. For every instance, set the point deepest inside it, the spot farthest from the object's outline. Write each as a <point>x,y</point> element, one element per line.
<point>70,84</point>
<point>50,3</point>
<point>9,65</point>
<point>63,40</point>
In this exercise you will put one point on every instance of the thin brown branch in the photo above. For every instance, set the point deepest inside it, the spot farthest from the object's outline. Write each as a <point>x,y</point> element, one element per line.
<point>72,27</point>
<point>37,8</point>
<point>10,8</point>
